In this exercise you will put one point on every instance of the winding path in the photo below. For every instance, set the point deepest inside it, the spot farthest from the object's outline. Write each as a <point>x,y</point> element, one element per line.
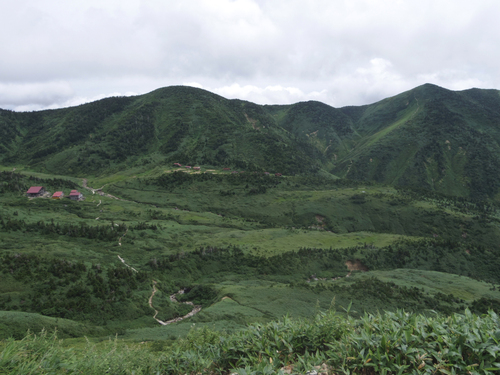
<point>100,192</point>
<point>196,308</point>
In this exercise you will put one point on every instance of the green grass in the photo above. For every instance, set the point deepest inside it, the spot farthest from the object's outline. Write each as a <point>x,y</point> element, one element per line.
<point>181,215</point>
<point>15,324</point>
<point>433,282</point>
<point>251,248</point>
<point>392,343</point>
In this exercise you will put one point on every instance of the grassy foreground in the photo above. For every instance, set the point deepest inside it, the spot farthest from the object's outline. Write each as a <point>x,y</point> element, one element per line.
<point>393,343</point>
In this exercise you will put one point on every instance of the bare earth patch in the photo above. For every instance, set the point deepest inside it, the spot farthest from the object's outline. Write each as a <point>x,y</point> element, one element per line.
<point>356,265</point>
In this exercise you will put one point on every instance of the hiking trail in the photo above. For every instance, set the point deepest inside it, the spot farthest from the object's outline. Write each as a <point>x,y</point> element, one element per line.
<point>196,308</point>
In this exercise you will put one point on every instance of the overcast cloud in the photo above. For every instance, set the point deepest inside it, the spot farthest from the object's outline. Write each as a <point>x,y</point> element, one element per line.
<point>62,53</point>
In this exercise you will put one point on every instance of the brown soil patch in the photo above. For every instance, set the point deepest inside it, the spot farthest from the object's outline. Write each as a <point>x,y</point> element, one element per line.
<point>356,265</point>
<point>252,122</point>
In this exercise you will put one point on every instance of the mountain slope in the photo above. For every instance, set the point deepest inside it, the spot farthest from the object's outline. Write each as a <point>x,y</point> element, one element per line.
<point>432,138</point>
<point>428,137</point>
<point>176,124</point>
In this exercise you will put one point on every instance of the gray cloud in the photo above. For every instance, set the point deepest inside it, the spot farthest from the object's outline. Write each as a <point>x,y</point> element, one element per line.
<point>340,52</point>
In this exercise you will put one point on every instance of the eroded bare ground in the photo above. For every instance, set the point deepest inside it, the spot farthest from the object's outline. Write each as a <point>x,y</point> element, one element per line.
<point>356,265</point>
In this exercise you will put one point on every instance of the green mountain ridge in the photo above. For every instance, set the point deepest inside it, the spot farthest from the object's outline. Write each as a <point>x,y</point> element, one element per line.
<point>428,137</point>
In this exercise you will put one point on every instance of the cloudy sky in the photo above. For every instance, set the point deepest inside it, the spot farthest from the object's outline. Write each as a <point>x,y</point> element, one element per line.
<point>341,52</point>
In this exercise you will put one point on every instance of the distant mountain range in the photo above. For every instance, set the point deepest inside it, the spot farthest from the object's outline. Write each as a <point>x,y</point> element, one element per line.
<point>428,137</point>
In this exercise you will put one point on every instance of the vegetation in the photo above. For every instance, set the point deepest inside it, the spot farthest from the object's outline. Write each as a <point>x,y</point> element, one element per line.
<point>428,137</point>
<point>393,343</point>
<point>239,265</point>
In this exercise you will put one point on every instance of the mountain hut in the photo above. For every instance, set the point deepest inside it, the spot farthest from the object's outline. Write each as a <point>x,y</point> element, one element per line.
<point>58,195</point>
<point>35,191</point>
<point>75,195</point>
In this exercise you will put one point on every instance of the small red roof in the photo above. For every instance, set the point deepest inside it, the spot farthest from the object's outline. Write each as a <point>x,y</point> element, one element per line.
<point>34,189</point>
<point>58,194</point>
<point>74,192</point>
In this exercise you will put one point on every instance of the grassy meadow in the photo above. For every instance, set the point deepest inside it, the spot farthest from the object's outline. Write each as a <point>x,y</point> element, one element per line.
<point>248,248</point>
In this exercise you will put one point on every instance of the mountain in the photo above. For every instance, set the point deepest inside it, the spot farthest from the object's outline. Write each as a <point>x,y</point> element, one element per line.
<point>174,124</point>
<point>168,261</point>
<point>428,137</point>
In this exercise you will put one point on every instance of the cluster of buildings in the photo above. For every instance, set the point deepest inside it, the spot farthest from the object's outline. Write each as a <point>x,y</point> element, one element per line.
<point>39,191</point>
<point>224,169</point>
<point>187,166</point>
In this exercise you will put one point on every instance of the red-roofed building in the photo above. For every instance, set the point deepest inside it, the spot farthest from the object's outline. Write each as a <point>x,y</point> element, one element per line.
<point>266,173</point>
<point>226,169</point>
<point>35,191</point>
<point>178,164</point>
<point>278,174</point>
<point>188,166</point>
<point>75,195</point>
<point>58,195</point>
<point>197,168</point>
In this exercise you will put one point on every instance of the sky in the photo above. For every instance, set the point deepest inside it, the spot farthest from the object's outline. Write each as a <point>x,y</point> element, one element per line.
<point>62,53</point>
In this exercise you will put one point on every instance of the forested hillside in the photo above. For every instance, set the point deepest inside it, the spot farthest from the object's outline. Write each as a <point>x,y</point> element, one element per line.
<point>428,137</point>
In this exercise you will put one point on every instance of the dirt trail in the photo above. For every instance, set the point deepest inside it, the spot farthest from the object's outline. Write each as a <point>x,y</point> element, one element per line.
<point>123,261</point>
<point>151,305</point>
<point>196,308</point>
<point>100,192</point>
<point>120,241</point>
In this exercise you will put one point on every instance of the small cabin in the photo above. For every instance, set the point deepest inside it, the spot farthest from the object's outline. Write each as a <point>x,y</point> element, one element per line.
<point>234,172</point>
<point>278,174</point>
<point>177,164</point>
<point>226,169</point>
<point>58,195</point>
<point>35,191</point>
<point>188,167</point>
<point>266,173</point>
<point>196,168</point>
<point>75,195</point>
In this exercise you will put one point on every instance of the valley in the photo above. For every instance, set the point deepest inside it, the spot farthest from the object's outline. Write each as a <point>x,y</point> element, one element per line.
<point>280,251</point>
<point>334,215</point>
